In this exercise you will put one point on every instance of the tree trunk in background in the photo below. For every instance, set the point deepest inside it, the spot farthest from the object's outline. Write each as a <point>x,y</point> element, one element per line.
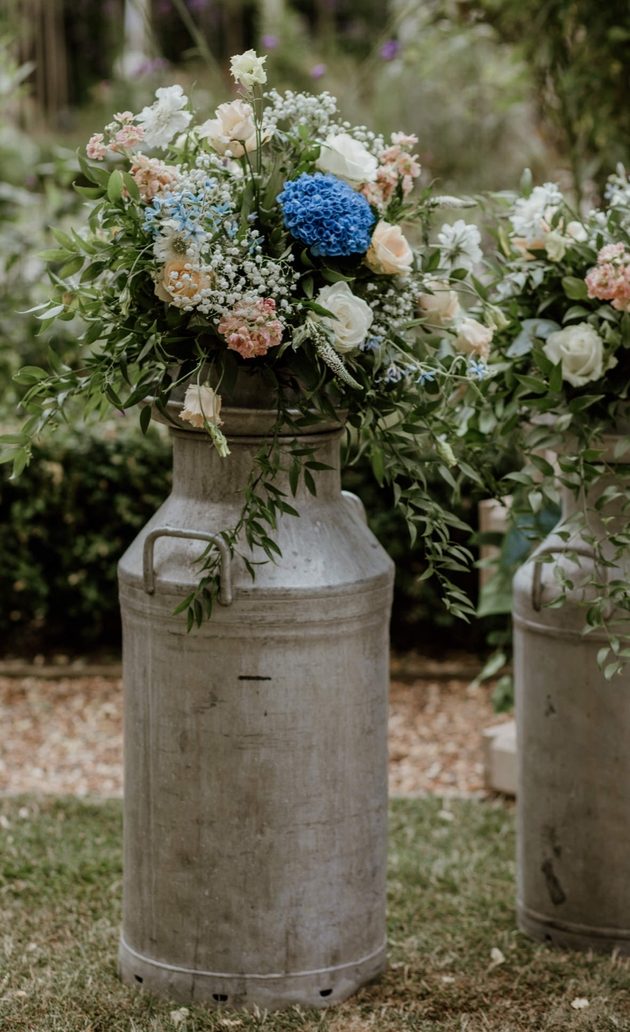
<point>139,43</point>
<point>272,13</point>
<point>233,26</point>
<point>41,39</point>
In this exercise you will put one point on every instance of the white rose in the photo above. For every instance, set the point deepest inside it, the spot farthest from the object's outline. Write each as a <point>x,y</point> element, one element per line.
<point>248,69</point>
<point>473,337</point>
<point>201,404</point>
<point>442,305</point>
<point>577,231</point>
<point>347,159</point>
<point>581,350</point>
<point>555,246</point>
<point>389,252</point>
<point>232,129</point>
<point>353,316</point>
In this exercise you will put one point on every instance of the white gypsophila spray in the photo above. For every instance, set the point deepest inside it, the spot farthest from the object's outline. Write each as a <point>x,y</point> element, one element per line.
<point>314,112</point>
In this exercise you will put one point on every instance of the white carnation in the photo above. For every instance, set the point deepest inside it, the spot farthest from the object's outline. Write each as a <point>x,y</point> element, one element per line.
<point>166,117</point>
<point>201,405</point>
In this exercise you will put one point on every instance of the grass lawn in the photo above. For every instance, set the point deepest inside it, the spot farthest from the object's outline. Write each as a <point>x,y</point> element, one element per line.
<point>451,902</point>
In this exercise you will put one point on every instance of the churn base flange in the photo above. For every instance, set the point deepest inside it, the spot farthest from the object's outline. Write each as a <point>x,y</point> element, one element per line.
<point>243,992</point>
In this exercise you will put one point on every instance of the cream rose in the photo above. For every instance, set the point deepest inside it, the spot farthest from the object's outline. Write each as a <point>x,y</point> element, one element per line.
<point>201,404</point>
<point>442,305</point>
<point>473,338</point>
<point>248,69</point>
<point>347,159</point>
<point>232,129</point>
<point>581,350</point>
<point>353,316</point>
<point>389,252</point>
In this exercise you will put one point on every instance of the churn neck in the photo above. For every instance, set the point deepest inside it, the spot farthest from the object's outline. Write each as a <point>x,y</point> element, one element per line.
<point>199,472</point>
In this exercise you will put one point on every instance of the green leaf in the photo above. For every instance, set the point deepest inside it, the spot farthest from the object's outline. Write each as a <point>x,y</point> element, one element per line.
<point>145,418</point>
<point>14,439</point>
<point>574,288</point>
<point>115,186</point>
<point>308,286</point>
<point>555,380</point>
<point>310,483</point>
<point>52,313</point>
<point>132,186</point>
<point>30,374</point>
<point>72,266</point>
<point>533,384</point>
<point>378,464</point>
<point>93,193</point>
<point>63,239</point>
<point>55,254</point>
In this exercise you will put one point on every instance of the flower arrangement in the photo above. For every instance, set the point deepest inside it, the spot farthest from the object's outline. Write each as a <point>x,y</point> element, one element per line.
<point>560,375</point>
<point>272,239</point>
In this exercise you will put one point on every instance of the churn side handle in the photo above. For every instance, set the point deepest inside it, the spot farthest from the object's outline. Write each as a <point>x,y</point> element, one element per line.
<point>225,591</point>
<point>356,504</point>
<point>537,578</point>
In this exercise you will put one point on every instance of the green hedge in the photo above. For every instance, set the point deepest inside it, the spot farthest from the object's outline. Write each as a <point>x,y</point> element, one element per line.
<point>65,522</point>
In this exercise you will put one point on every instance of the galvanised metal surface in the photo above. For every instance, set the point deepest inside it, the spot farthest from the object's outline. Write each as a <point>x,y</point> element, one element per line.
<point>255,747</point>
<point>573,735</point>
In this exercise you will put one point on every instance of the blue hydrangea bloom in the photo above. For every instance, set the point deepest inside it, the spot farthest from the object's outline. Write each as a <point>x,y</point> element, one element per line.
<point>327,214</point>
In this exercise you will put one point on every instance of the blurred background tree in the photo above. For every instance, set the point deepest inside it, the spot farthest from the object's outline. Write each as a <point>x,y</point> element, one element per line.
<point>577,55</point>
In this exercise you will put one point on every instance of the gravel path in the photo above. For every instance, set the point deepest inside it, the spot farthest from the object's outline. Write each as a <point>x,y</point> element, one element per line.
<point>65,735</point>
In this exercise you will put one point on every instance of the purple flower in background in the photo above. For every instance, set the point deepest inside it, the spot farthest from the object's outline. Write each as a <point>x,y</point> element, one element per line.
<point>317,71</point>
<point>197,5</point>
<point>164,7</point>
<point>269,42</point>
<point>390,49</point>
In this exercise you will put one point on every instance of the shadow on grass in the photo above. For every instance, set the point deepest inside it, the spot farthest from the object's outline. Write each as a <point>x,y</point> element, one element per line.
<point>451,903</point>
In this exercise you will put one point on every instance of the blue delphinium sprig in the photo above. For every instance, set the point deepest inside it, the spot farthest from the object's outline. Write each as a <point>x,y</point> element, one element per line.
<point>327,214</point>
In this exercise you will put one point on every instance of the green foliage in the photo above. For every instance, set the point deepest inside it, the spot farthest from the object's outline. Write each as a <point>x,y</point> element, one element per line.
<point>63,526</point>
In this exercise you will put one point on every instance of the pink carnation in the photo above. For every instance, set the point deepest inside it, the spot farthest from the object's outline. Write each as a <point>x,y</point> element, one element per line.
<point>96,149</point>
<point>130,136</point>
<point>609,252</point>
<point>609,280</point>
<point>251,327</point>
<point>601,282</point>
<point>152,176</point>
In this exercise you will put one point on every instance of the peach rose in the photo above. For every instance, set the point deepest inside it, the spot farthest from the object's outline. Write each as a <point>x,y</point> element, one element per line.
<point>232,129</point>
<point>389,253</point>
<point>181,284</point>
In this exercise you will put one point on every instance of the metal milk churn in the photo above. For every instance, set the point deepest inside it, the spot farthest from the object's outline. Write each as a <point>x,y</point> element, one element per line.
<point>573,746</point>
<point>256,746</point>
